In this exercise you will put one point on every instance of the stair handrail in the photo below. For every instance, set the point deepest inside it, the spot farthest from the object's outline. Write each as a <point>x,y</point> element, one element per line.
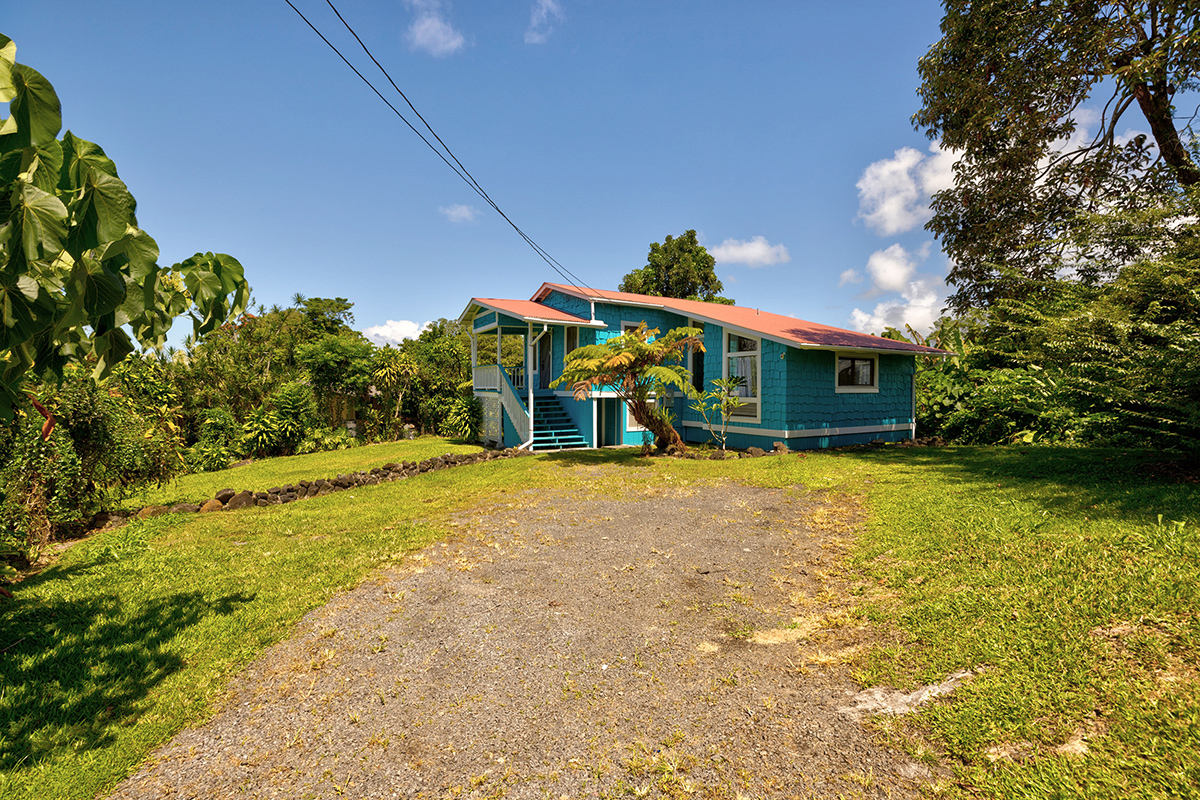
<point>514,406</point>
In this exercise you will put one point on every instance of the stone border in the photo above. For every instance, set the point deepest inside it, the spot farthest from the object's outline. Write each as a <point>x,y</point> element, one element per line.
<point>233,500</point>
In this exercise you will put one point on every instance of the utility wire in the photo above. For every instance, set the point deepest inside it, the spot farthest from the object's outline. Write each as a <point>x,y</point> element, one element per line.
<point>457,165</point>
<point>474,183</point>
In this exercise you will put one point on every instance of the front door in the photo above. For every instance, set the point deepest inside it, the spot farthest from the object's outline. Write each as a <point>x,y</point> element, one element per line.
<point>544,361</point>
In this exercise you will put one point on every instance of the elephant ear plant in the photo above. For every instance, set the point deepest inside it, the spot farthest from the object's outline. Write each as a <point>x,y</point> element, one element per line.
<point>77,274</point>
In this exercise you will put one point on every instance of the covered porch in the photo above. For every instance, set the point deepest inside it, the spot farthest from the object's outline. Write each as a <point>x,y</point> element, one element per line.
<point>516,353</point>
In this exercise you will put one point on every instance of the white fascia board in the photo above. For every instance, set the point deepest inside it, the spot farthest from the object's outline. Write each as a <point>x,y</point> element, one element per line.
<point>582,323</point>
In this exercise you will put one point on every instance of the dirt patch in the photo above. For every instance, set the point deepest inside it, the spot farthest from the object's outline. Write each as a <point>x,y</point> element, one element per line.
<point>677,643</point>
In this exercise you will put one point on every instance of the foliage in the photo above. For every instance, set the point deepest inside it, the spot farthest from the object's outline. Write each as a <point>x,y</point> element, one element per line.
<point>1115,364</point>
<point>323,440</point>
<point>238,365</point>
<point>102,448</point>
<point>45,493</point>
<point>296,411</point>
<point>261,435</point>
<point>331,317</point>
<point>339,367</point>
<point>217,443</point>
<point>679,268</point>
<point>1004,90</point>
<point>636,365</point>
<point>465,419</point>
<point>721,400</point>
<point>76,273</point>
<point>393,374</point>
<point>442,355</point>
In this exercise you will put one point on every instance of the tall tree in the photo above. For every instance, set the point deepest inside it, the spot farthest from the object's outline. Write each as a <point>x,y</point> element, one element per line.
<point>1006,88</point>
<point>76,272</point>
<point>679,268</point>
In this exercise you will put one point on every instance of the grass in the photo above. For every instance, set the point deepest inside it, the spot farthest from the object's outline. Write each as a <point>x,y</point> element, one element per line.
<point>1049,567</point>
<point>262,475</point>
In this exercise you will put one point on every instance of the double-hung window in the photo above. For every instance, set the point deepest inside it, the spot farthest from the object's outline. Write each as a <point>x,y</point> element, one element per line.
<point>857,373</point>
<point>742,360</point>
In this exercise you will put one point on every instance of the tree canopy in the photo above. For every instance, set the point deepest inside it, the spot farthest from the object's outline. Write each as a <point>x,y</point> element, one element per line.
<point>76,271</point>
<point>1006,88</point>
<point>679,268</point>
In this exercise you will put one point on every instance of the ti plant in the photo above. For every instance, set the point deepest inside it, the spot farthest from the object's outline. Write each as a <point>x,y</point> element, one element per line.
<point>721,400</point>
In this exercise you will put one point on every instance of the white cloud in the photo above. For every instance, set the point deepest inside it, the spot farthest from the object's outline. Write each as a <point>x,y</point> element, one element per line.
<point>850,276</point>
<point>394,331</point>
<point>920,306</point>
<point>459,213</point>
<point>539,21</point>
<point>891,269</point>
<point>893,194</point>
<point>754,253</point>
<point>430,31</point>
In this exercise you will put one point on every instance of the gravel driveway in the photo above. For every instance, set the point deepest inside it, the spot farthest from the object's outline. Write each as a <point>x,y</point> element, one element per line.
<point>673,642</point>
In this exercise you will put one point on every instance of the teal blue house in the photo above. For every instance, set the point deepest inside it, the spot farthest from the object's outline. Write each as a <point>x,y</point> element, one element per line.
<point>806,384</point>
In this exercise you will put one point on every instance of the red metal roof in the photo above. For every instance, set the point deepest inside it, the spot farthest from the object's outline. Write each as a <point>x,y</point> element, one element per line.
<point>773,326</point>
<point>527,309</point>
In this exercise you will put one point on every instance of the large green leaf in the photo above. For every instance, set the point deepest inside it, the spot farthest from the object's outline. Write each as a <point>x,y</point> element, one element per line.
<point>100,290</point>
<point>40,220</point>
<point>21,315</point>
<point>134,254</point>
<point>8,57</point>
<point>110,349</point>
<point>102,211</point>
<point>34,108</point>
<point>42,162</point>
<point>79,158</point>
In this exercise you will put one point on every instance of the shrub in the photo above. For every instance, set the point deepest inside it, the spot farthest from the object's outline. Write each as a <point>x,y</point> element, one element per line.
<point>319,441</point>
<point>296,410</point>
<point>464,419</point>
<point>45,494</point>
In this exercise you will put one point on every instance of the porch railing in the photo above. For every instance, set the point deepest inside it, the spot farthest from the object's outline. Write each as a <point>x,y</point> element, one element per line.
<point>486,378</point>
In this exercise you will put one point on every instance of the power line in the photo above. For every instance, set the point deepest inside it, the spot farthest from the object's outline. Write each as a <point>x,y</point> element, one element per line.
<point>456,166</point>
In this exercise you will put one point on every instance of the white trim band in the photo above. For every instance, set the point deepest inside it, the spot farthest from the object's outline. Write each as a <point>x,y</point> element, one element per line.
<point>808,432</point>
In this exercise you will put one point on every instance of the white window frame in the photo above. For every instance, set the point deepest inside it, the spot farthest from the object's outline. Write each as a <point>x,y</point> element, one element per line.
<point>758,354</point>
<point>872,389</point>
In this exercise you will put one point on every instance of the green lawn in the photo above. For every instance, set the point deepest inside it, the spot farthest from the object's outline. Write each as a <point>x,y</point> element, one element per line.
<point>262,475</point>
<point>1048,566</point>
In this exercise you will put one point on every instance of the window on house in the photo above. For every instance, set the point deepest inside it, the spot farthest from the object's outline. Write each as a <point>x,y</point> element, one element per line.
<point>742,361</point>
<point>857,374</point>
<point>697,361</point>
<point>572,341</point>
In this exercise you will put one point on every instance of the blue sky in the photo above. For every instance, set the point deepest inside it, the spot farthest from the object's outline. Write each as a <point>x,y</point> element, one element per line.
<point>778,130</point>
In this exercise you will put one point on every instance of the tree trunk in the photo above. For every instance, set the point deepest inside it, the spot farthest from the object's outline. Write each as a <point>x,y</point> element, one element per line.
<point>665,435</point>
<point>1156,107</point>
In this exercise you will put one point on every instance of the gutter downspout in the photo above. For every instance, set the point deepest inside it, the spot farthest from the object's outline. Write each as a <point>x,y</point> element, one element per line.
<point>912,432</point>
<point>529,378</point>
